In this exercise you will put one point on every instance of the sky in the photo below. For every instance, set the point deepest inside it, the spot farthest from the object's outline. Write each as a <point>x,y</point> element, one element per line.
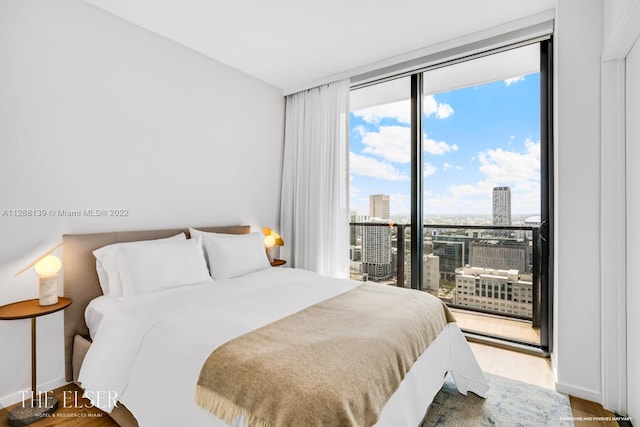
<point>475,138</point>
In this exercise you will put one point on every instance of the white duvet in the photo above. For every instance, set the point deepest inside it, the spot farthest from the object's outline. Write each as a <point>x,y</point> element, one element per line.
<point>148,352</point>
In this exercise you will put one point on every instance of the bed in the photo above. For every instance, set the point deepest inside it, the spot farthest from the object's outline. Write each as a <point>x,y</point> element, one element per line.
<point>144,360</point>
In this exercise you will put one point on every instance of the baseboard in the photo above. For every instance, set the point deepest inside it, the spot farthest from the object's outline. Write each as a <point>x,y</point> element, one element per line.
<point>17,395</point>
<point>582,393</point>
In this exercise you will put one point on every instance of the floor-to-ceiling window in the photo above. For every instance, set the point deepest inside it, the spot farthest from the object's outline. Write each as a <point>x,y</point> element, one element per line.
<point>472,186</point>
<point>380,181</point>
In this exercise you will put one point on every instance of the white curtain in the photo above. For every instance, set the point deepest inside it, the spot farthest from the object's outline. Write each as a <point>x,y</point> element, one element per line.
<point>314,216</point>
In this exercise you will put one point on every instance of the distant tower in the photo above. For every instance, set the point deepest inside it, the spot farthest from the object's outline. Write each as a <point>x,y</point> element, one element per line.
<point>353,230</point>
<point>376,250</point>
<point>502,206</point>
<point>379,206</point>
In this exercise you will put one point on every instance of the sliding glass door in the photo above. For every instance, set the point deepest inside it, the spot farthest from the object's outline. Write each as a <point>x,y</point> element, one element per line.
<point>482,183</point>
<point>460,154</point>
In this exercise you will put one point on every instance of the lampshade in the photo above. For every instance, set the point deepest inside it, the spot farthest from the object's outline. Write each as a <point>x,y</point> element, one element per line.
<point>48,266</point>
<point>272,238</point>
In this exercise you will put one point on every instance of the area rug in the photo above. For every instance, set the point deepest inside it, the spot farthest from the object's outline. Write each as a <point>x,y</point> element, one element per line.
<point>508,403</point>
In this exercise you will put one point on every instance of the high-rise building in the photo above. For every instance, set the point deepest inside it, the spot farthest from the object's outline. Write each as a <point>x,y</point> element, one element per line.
<point>379,206</point>
<point>502,206</point>
<point>355,246</point>
<point>354,229</point>
<point>376,251</point>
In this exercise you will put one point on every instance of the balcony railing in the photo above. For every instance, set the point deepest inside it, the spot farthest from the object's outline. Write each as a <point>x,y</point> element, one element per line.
<point>484,268</point>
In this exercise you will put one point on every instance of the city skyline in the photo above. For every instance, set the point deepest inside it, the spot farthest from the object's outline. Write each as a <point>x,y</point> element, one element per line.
<point>475,139</point>
<point>379,208</point>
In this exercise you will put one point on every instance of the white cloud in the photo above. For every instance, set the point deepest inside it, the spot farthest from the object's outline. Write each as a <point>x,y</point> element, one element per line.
<point>392,143</point>
<point>513,80</point>
<point>510,167</point>
<point>432,107</point>
<point>444,111</point>
<point>437,148</point>
<point>518,170</point>
<point>366,166</point>
<point>359,130</point>
<point>447,166</point>
<point>429,169</point>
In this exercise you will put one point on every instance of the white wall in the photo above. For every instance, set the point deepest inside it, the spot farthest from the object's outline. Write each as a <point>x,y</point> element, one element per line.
<point>614,12</point>
<point>96,113</point>
<point>619,376</point>
<point>578,45</point>
<point>633,231</point>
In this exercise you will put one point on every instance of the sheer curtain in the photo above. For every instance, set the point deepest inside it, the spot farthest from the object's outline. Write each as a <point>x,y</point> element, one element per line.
<point>314,209</point>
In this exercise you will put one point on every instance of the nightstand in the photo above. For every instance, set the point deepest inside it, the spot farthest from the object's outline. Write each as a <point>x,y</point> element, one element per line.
<point>278,262</point>
<point>38,407</point>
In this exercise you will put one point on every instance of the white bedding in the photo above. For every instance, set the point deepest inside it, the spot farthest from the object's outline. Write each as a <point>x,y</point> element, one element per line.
<point>95,311</point>
<point>150,349</point>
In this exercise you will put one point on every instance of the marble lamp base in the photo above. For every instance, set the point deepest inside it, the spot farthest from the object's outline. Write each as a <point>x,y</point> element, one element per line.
<point>32,411</point>
<point>48,290</point>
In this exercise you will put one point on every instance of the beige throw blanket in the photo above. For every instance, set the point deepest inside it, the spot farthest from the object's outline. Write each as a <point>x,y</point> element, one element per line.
<point>335,363</point>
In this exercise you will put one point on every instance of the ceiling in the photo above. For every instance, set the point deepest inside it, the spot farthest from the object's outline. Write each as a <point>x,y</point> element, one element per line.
<point>292,43</point>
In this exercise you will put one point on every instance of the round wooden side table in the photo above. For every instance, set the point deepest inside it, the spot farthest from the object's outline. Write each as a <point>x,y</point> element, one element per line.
<point>37,407</point>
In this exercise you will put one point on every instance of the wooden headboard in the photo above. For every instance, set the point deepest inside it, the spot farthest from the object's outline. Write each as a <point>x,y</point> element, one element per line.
<point>81,280</point>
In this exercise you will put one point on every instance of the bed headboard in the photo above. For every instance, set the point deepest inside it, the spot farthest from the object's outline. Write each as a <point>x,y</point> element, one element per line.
<point>81,280</point>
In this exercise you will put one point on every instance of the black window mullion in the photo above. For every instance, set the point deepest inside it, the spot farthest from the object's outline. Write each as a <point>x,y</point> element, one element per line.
<point>417,229</point>
<point>546,194</point>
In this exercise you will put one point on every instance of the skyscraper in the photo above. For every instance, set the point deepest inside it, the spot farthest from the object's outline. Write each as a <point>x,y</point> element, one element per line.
<point>502,206</point>
<point>376,250</point>
<point>379,206</point>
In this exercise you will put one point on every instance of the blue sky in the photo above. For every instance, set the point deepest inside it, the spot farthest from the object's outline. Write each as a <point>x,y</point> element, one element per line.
<point>476,138</point>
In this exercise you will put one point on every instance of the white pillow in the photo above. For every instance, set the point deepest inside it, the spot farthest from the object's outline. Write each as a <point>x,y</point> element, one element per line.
<point>233,255</point>
<point>109,260</point>
<point>163,266</point>
<point>103,278</point>
<point>199,235</point>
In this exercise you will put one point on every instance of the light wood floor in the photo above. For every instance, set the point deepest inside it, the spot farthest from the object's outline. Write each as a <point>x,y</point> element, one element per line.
<point>518,366</point>
<point>496,325</point>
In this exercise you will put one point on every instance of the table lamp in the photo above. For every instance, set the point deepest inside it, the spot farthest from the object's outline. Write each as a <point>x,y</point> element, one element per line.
<point>47,266</point>
<point>271,239</point>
